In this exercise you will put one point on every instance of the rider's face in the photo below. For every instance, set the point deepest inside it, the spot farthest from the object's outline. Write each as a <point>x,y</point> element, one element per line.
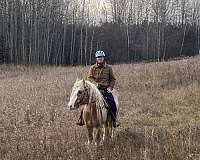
<point>100,60</point>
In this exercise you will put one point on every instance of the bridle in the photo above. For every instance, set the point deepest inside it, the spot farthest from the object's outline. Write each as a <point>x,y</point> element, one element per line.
<point>83,97</point>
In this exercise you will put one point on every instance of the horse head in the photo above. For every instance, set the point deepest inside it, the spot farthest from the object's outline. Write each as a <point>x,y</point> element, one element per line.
<point>79,95</point>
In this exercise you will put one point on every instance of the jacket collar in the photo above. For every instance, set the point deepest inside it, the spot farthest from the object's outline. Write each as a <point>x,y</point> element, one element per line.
<point>104,65</point>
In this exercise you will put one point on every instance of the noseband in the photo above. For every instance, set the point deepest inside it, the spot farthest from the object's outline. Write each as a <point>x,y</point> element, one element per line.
<point>83,99</point>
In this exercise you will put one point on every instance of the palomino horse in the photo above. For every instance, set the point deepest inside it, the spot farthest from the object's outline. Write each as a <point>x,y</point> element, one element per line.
<point>86,96</point>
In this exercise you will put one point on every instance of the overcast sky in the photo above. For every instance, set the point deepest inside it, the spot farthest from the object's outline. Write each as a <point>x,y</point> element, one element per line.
<point>97,8</point>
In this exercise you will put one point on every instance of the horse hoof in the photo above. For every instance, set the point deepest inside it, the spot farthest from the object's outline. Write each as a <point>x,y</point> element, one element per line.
<point>88,143</point>
<point>98,143</point>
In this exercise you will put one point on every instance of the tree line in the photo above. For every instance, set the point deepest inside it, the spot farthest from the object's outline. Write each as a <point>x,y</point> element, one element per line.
<point>69,32</point>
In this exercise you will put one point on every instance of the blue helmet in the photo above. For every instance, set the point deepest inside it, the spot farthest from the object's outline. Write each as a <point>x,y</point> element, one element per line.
<point>100,54</point>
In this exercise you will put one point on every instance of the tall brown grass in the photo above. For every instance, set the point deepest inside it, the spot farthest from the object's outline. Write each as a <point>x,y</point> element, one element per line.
<point>159,113</point>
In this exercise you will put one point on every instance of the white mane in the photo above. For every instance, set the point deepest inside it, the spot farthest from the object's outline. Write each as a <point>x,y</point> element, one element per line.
<point>94,93</point>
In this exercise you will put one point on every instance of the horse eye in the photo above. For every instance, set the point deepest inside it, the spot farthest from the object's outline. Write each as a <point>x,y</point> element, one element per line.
<point>79,92</point>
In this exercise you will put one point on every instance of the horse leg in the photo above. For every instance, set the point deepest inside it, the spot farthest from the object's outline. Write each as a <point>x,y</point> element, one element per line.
<point>90,134</point>
<point>110,128</point>
<point>98,135</point>
<point>106,131</point>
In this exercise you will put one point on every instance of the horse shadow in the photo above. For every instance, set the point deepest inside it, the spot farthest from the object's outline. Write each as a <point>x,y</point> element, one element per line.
<point>124,143</point>
<point>126,138</point>
<point>122,139</point>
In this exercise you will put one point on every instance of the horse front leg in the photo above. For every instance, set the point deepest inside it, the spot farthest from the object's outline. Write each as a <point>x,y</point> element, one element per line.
<point>98,135</point>
<point>90,134</point>
<point>106,131</point>
<point>110,129</point>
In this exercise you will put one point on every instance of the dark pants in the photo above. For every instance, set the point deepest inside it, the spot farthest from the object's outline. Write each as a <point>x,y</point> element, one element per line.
<point>111,103</point>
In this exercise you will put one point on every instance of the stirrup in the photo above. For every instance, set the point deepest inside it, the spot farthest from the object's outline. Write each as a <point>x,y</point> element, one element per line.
<point>115,124</point>
<point>80,124</point>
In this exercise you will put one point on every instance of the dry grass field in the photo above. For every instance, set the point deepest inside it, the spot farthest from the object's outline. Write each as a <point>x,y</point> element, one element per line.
<point>159,113</point>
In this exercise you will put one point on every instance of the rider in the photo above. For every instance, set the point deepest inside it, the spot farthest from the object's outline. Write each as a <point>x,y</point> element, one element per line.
<point>102,75</point>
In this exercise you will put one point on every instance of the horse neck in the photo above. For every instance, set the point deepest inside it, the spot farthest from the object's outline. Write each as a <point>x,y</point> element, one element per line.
<point>92,109</point>
<point>92,98</point>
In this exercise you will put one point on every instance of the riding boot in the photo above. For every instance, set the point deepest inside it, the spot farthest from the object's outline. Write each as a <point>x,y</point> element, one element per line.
<point>115,124</point>
<point>80,120</point>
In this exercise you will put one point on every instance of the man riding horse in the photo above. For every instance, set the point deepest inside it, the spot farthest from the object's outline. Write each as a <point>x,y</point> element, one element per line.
<point>102,75</point>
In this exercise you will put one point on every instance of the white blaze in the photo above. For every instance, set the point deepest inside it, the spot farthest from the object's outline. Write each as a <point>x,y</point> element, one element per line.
<point>72,100</point>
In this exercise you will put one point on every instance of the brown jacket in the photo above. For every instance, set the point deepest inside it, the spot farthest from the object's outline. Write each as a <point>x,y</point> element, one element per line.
<point>102,75</point>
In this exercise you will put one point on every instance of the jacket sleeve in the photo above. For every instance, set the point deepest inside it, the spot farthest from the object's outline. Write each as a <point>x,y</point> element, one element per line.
<point>112,78</point>
<point>90,76</point>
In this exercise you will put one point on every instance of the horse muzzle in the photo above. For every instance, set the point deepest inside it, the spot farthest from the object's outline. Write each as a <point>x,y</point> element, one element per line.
<point>71,107</point>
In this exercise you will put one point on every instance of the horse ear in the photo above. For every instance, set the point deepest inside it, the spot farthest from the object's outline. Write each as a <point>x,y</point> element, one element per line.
<point>84,83</point>
<point>77,79</point>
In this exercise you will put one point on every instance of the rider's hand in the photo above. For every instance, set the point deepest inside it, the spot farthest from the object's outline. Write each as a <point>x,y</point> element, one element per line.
<point>96,84</point>
<point>109,89</point>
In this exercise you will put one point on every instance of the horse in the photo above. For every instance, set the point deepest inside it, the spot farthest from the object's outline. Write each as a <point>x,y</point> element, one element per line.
<point>87,97</point>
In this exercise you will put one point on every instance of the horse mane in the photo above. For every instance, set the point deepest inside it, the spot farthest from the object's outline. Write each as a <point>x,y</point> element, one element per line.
<point>95,95</point>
